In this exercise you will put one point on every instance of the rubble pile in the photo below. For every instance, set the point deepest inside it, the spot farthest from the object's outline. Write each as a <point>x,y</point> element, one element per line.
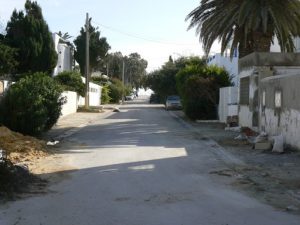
<point>20,148</point>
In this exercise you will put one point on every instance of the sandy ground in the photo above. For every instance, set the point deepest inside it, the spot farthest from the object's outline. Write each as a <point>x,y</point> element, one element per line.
<point>270,177</point>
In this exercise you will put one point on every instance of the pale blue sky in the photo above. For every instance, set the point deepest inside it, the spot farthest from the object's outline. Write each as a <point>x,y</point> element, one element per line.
<point>128,25</point>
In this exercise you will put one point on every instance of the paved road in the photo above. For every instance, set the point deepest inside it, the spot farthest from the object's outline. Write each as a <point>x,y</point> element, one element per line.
<point>141,167</point>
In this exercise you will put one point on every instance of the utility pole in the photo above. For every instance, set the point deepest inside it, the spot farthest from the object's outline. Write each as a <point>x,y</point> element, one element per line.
<point>87,62</point>
<point>123,75</point>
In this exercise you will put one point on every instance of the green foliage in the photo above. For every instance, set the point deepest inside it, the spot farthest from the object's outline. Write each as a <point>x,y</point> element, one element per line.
<point>71,81</point>
<point>32,105</point>
<point>116,89</point>
<point>246,24</point>
<point>100,80</point>
<point>7,59</point>
<point>199,89</point>
<point>105,99</point>
<point>163,81</point>
<point>114,65</point>
<point>29,33</point>
<point>135,70</point>
<point>98,48</point>
<point>199,98</point>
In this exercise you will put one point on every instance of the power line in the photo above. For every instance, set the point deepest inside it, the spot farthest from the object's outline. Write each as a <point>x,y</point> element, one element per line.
<point>140,37</point>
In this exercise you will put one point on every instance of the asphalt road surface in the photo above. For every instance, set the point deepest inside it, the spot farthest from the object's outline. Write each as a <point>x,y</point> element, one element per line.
<point>141,166</point>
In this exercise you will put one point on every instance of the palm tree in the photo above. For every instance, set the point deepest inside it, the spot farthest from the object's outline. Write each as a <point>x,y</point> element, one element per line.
<point>247,25</point>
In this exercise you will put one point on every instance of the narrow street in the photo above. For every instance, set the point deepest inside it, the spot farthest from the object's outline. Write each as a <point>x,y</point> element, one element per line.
<point>141,166</point>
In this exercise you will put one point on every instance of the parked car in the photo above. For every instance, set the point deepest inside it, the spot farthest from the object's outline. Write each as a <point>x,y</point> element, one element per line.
<point>173,102</point>
<point>129,97</point>
<point>154,98</point>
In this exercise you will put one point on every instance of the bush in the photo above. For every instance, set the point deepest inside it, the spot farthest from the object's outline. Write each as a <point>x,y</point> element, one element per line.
<point>71,81</point>
<point>32,105</point>
<point>105,99</point>
<point>199,99</point>
<point>116,89</point>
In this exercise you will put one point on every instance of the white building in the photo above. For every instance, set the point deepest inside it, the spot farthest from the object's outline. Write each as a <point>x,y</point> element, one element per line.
<point>230,65</point>
<point>65,54</point>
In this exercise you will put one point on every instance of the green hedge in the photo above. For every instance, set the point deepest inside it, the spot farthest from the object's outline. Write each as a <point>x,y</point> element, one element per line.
<point>32,105</point>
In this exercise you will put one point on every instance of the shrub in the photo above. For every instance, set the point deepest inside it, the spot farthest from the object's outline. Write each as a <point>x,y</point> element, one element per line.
<point>105,99</point>
<point>116,89</point>
<point>32,105</point>
<point>199,98</point>
<point>71,81</point>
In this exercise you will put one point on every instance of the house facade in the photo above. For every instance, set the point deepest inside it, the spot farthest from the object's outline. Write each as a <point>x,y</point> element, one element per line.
<point>64,52</point>
<point>268,94</point>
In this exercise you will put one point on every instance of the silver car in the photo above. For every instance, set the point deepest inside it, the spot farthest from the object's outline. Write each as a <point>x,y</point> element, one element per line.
<point>173,102</point>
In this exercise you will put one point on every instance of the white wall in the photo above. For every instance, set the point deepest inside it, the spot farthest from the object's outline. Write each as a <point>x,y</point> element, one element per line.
<point>231,66</point>
<point>289,125</point>
<point>228,103</point>
<point>297,44</point>
<point>94,95</point>
<point>64,56</point>
<point>71,105</point>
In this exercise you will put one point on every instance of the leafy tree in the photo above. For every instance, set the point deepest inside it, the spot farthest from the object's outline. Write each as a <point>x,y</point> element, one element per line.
<point>64,36</point>
<point>98,48</point>
<point>135,69</point>
<point>105,99</point>
<point>8,61</point>
<point>116,90</point>
<point>247,25</point>
<point>163,81</point>
<point>32,105</point>
<point>29,33</point>
<point>114,65</point>
<point>71,81</point>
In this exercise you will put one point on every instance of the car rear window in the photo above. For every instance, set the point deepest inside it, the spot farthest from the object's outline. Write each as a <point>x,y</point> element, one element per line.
<point>173,97</point>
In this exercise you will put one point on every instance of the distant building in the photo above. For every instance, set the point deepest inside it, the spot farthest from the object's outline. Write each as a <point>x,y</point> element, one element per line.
<point>64,51</point>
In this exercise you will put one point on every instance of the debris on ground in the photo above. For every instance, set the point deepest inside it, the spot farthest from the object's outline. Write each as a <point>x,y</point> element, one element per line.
<point>235,129</point>
<point>278,144</point>
<point>262,142</point>
<point>21,148</point>
<point>52,143</point>
<point>116,109</point>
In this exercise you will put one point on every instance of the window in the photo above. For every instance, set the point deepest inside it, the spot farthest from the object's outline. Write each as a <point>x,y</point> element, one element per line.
<point>278,102</point>
<point>244,91</point>
<point>264,98</point>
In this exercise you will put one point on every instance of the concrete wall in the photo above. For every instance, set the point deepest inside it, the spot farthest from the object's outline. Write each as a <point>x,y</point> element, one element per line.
<point>258,66</point>
<point>285,119</point>
<point>297,44</point>
<point>94,95</point>
<point>227,103</point>
<point>72,103</point>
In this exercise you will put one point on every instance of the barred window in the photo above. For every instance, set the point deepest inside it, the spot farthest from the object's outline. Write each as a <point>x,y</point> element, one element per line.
<point>244,90</point>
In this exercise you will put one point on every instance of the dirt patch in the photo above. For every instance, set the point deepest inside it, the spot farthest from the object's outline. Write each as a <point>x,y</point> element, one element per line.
<point>15,176</point>
<point>271,178</point>
<point>20,148</point>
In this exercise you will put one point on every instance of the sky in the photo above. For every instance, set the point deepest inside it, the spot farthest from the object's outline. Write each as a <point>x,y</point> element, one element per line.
<point>155,29</point>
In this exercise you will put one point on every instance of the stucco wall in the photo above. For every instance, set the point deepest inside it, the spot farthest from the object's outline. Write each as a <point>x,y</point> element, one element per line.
<point>94,95</point>
<point>283,120</point>
<point>228,103</point>
<point>71,105</point>
<point>64,55</point>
